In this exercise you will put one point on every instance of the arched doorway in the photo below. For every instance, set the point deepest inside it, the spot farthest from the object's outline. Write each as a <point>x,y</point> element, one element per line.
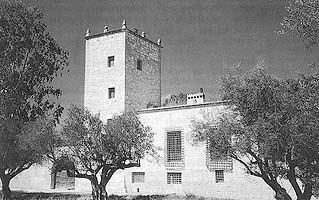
<point>62,174</point>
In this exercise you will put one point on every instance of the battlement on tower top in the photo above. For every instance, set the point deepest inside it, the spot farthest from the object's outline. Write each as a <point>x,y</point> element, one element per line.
<point>124,28</point>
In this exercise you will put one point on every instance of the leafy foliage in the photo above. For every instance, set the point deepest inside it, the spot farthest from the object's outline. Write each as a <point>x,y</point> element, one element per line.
<point>29,61</point>
<point>102,149</point>
<point>271,127</point>
<point>302,20</point>
<point>42,138</point>
<point>175,100</point>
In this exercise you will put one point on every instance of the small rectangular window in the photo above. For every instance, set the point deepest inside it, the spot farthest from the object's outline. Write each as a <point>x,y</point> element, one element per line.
<point>111,93</point>
<point>138,177</point>
<point>139,64</point>
<point>219,174</point>
<point>174,178</point>
<point>110,61</point>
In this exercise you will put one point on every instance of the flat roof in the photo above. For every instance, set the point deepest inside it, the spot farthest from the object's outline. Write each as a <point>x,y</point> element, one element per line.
<point>184,106</point>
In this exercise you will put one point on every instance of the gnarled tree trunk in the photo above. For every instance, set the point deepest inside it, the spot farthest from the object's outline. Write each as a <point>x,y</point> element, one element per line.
<point>98,190</point>
<point>281,194</point>
<point>307,194</point>
<point>106,175</point>
<point>103,193</point>
<point>6,192</point>
<point>95,189</point>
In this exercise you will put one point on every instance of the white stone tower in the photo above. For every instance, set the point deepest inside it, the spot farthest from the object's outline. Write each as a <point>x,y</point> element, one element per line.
<point>122,71</point>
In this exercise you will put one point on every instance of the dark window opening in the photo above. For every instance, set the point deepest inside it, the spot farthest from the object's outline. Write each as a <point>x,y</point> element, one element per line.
<point>111,93</point>
<point>139,64</point>
<point>110,61</point>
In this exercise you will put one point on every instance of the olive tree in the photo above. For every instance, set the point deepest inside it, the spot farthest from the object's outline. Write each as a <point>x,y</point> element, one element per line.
<point>271,127</point>
<point>30,59</point>
<point>302,20</point>
<point>97,149</point>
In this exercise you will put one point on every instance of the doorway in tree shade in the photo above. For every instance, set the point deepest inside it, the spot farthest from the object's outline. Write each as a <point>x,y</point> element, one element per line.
<point>61,180</point>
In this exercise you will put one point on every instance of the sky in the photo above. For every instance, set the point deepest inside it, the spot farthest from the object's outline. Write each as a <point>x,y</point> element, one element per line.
<point>200,38</point>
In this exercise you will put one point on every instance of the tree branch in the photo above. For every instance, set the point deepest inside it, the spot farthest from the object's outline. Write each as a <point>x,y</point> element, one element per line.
<point>291,174</point>
<point>106,175</point>
<point>268,170</point>
<point>246,166</point>
<point>19,169</point>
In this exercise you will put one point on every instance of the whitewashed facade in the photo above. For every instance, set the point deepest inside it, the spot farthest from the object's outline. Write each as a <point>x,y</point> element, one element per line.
<point>123,72</point>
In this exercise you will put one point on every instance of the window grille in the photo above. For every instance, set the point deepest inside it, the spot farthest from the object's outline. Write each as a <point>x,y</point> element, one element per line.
<point>174,178</point>
<point>174,146</point>
<point>174,149</point>
<point>111,93</point>
<point>110,61</point>
<point>217,163</point>
<point>219,175</point>
<point>139,64</point>
<point>138,177</point>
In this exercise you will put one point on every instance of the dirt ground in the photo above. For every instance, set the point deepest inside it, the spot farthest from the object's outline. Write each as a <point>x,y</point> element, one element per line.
<point>20,195</point>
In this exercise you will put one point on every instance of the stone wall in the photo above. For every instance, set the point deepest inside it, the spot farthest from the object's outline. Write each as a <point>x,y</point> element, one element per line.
<point>142,86</point>
<point>99,77</point>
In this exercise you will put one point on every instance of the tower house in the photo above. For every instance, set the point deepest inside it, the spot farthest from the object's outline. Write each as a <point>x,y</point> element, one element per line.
<point>122,71</point>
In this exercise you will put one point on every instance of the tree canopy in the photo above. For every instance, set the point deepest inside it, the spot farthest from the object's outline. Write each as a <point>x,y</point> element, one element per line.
<point>101,149</point>
<point>302,20</point>
<point>175,100</point>
<point>271,127</point>
<point>30,59</point>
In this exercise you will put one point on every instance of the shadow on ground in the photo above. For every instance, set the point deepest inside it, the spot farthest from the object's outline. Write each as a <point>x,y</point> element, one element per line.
<point>20,195</point>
